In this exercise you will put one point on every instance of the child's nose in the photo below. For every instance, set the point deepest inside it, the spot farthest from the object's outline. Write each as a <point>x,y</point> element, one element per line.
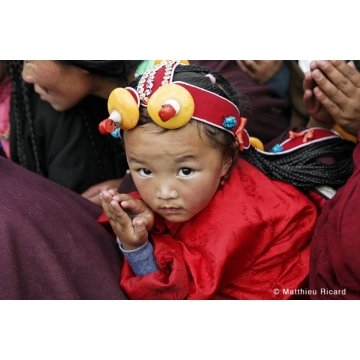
<point>166,191</point>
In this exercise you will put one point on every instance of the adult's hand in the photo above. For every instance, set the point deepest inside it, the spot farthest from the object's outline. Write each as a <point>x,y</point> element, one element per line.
<point>93,192</point>
<point>332,94</point>
<point>260,70</point>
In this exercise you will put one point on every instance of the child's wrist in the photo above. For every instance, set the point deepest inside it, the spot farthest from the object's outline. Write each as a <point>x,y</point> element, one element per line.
<point>141,260</point>
<point>127,247</point>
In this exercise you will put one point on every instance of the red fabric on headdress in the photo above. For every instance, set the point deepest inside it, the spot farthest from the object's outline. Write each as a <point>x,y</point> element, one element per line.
<point>211,108</point>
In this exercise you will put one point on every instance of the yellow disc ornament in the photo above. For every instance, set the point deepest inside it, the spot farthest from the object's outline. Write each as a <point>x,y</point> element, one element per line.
<point>171,106</point>
<point>256,143</point>
<point>184,62</point>
<point>123,102</point>
<point>345,134</point>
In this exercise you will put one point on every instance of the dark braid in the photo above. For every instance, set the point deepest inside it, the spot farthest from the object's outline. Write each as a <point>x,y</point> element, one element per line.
<point>14,69</point>
<point>303,167</point>
<point>22,112</point>
<point>92,143</point>
<point>28,115</point>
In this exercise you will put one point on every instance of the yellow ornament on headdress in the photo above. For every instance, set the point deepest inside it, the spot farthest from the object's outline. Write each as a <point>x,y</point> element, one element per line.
<point>123,102</point>
<point>256,143</point>
<point>184,62</point>
<point>345,134</point>
<point>171,106</point>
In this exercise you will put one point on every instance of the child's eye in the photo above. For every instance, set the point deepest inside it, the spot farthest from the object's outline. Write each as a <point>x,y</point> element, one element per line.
<point>144,172</point>
<point>185,172</point>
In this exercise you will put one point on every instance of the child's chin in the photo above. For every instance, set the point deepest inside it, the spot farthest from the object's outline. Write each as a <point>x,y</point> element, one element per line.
<point>176,218</point>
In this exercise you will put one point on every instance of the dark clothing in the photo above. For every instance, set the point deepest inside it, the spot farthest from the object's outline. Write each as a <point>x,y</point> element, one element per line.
<point>268,115</point>
<point>334,254</point>
<point>51,246</point>
<point>70,153</point>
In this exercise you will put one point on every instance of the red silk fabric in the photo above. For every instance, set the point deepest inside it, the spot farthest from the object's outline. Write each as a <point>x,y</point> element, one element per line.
<point>251,239</point>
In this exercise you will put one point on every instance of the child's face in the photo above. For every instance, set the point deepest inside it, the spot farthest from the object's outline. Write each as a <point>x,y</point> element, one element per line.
<point>175,172</point>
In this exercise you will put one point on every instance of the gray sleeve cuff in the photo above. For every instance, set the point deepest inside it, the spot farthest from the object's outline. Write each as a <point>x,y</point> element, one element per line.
<point>141,260</point>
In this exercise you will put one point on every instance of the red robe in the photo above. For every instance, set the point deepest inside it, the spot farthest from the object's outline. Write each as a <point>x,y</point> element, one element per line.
<point>252,238</point>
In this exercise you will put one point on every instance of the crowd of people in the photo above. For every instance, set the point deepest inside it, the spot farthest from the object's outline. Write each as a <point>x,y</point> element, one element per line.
<point>176,199</point>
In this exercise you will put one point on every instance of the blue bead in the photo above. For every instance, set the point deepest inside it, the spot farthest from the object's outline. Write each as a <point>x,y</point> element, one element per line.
<point>116,133</point>
<point>277,148</point>
<point>229,123</point>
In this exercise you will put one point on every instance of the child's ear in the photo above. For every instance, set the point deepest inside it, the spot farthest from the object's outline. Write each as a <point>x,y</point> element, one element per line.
<point>227,162</point>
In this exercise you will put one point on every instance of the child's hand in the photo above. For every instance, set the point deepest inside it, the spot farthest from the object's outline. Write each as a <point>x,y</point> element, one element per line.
<point>129,218</point>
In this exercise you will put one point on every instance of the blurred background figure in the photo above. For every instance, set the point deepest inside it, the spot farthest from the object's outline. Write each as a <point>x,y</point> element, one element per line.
<point>56,107</point>
<point>332,96</point>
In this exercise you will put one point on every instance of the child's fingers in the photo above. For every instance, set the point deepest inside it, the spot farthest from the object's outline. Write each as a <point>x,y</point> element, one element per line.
<point>134,205</point>
<point>122,197</point>
<point>119,214</point>
<point>106,204</point>
<point>140,231</point>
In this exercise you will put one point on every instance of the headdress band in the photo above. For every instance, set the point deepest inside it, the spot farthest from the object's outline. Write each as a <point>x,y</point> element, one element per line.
<point>172,105</point>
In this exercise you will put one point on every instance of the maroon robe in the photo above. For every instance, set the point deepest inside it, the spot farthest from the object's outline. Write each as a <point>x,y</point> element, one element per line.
<point>335,247</point>
<point>51,246</point>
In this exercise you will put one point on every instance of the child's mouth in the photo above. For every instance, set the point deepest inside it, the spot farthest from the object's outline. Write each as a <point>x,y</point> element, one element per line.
<point>170,210</point>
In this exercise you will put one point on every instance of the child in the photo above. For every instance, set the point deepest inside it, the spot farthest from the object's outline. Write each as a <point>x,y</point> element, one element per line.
<point>205,224</point>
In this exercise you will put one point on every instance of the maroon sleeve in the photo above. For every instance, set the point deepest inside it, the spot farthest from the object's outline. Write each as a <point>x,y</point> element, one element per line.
<point>51,246</point>
<point>334,262</point>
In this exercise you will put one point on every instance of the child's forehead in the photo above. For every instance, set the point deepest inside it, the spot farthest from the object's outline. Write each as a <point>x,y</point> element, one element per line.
<point>193,128</point>
<point>150,139</point>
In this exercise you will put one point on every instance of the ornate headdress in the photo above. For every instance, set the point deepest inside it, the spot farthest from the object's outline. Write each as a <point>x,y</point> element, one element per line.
<point>172,104</point>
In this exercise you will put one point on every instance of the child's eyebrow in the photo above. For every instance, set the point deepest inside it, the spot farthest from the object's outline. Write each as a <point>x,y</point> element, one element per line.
<point>176,159</point>
<point>135,160</point>
<point>184,158</point>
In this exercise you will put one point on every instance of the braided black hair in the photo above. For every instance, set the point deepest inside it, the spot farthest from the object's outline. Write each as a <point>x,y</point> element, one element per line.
<point>14,69</point>
<point>304,167</point>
